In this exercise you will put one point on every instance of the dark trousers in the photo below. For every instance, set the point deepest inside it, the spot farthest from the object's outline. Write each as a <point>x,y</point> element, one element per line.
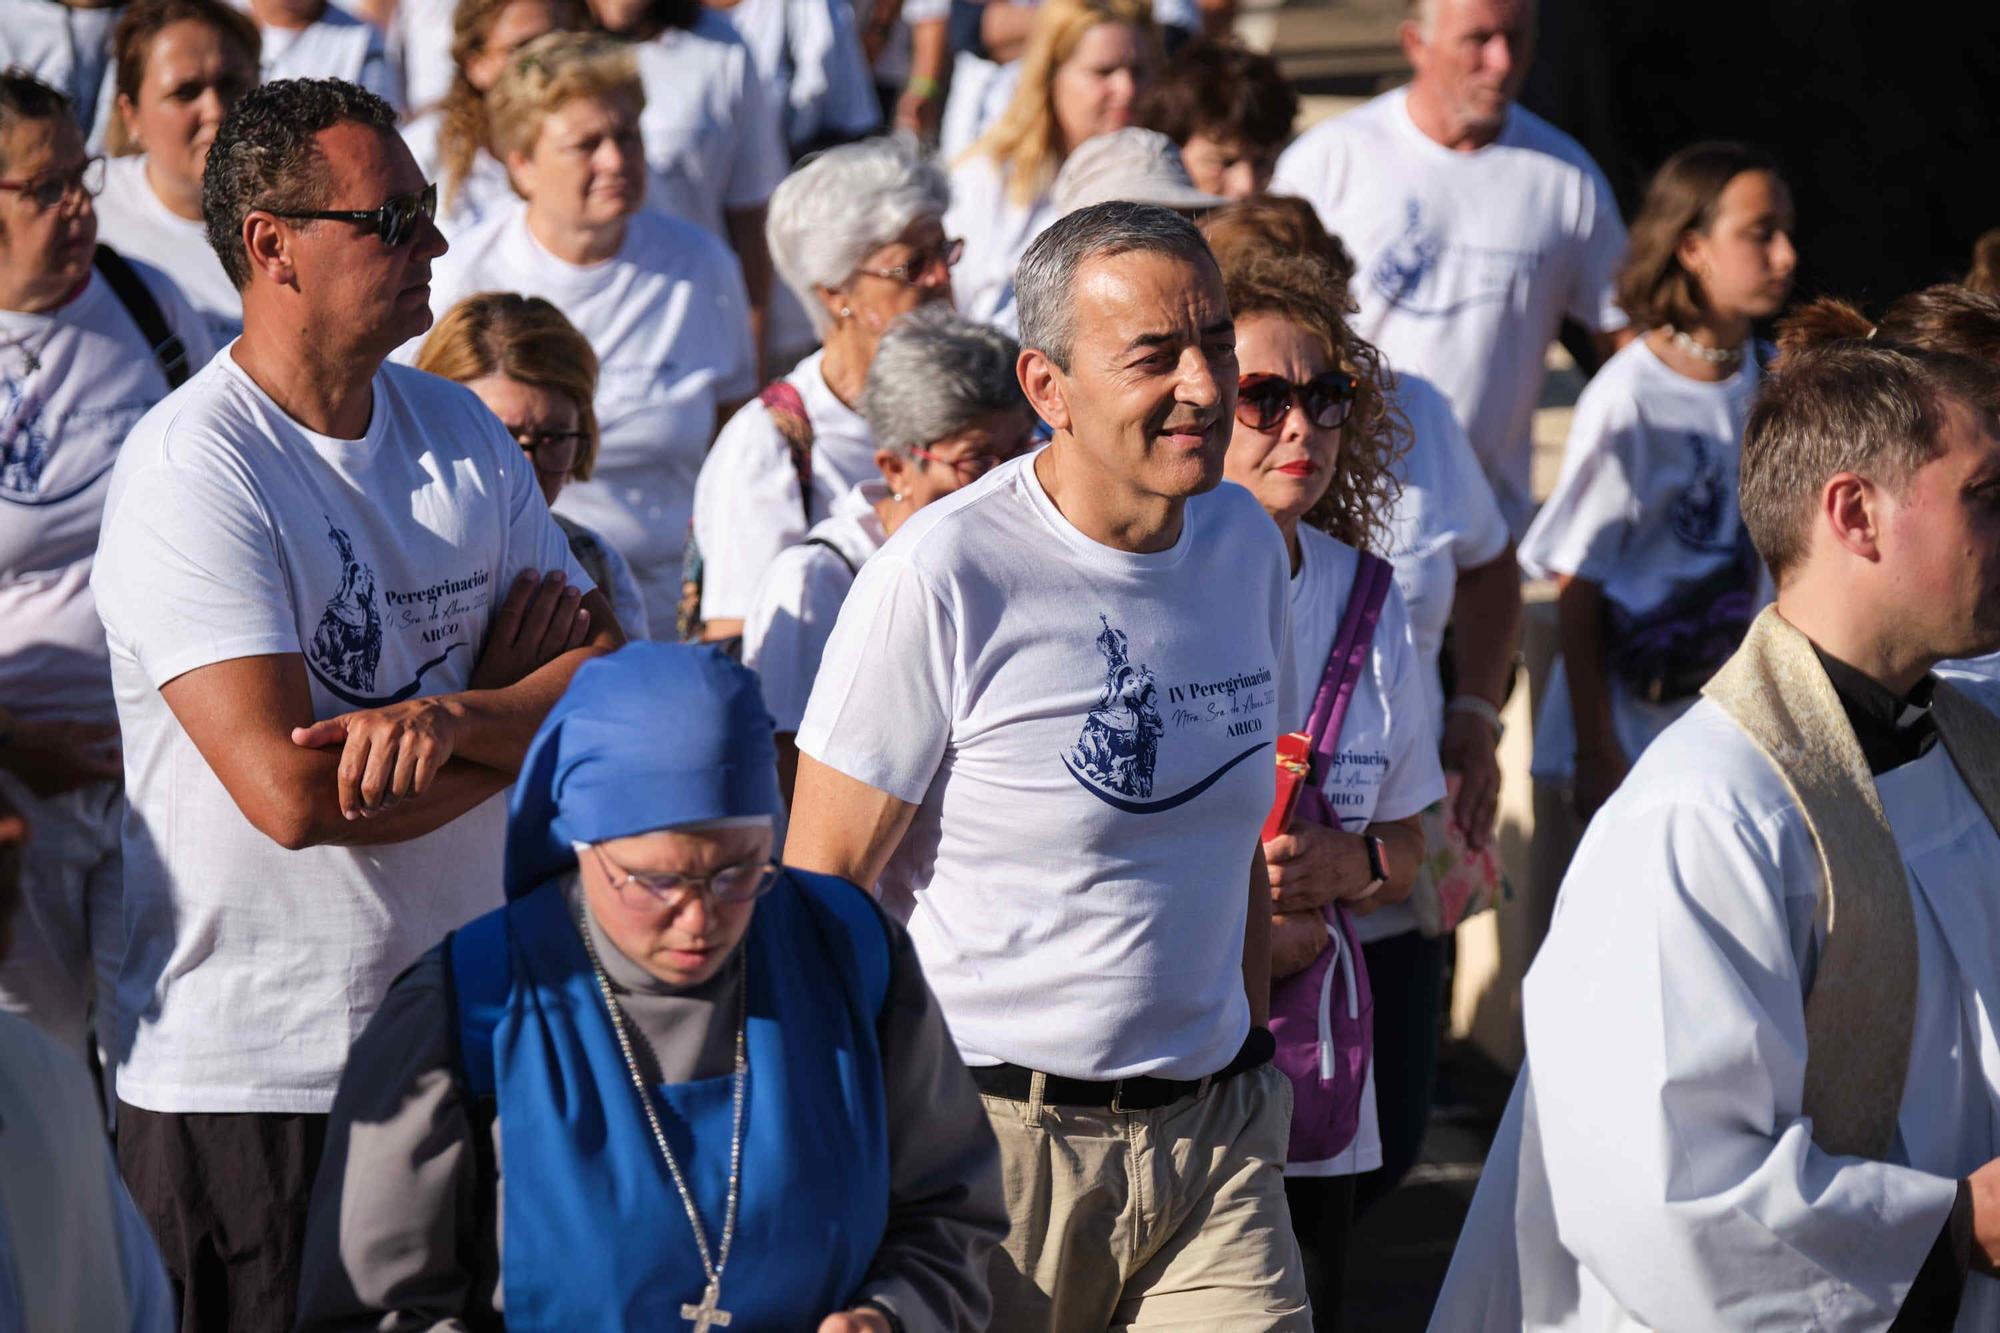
<point>1322,1208</point>
<point>226,1198</point>
<point>1406,974</point>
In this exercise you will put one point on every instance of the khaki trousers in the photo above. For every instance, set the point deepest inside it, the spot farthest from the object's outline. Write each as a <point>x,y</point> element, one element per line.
<point>1166,1219</point>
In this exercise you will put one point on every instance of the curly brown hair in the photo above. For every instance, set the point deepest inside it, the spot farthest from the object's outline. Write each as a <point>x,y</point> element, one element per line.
<point>1305,290</point>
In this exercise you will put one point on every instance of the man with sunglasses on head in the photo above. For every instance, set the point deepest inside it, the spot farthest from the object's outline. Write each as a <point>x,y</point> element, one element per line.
<point>305,550</point>
<point>1043,728</point>
<point>88,343</point>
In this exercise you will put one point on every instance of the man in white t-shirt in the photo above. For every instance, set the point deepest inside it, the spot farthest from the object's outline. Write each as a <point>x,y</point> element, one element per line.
<point>1476,226</point>
<point>1043,726</point>
<point>77,370</point>
<point>303,552</point>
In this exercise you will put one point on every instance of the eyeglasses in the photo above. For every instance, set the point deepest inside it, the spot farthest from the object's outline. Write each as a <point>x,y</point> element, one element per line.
<point>969,469</point>
<point>913,273</point>
<point>395,221</point>
<point>549,450</point>
<point>739,883</point>
<point>47,189</point>
<point>1263,401</point>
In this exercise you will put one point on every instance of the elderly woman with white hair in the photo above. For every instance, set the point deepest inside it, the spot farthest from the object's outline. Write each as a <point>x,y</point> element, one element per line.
<point>858,234</point>
<point>660,300</point>
<point>946,409</point>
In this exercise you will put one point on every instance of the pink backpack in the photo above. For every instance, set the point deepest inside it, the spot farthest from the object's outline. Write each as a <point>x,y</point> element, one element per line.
<point>1324,1017</point>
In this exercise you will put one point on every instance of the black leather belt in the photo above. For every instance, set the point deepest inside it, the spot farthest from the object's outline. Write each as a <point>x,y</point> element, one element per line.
<point>1143,1093</point>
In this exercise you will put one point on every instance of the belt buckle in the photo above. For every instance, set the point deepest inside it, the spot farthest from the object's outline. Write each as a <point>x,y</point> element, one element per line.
<point>1118,1097</point>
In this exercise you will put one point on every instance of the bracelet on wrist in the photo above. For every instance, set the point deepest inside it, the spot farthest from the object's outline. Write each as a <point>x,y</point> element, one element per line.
<point>924,86</point>
<point>1473,706</point>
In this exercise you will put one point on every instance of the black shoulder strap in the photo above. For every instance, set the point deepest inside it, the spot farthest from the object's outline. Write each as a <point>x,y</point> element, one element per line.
<point>132,293</point>
<point>852,569</point>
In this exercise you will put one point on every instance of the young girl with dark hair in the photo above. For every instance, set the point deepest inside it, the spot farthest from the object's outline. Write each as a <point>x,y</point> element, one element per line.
<point>1657,580</point>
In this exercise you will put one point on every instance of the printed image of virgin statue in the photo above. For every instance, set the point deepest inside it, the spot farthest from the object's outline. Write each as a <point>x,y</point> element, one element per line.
<point>348,643</point>
<point>1121,735</point>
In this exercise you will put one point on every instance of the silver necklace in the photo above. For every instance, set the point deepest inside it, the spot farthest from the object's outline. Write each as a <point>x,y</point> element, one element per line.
<point>1715,356</point>
<point>708,1314</point>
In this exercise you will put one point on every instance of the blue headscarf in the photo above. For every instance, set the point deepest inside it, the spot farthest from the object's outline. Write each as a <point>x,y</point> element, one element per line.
<point>653,736</point>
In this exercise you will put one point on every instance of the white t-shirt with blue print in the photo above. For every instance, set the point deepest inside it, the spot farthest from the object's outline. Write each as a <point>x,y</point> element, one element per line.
<point>1087,734</point>
<point>231,531</point>
<point>1466,263</point>
<point>1646,504</point>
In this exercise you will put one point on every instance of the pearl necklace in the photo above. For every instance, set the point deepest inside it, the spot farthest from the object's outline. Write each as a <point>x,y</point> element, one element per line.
<point>708,1313</point>
<point>1714,356</point>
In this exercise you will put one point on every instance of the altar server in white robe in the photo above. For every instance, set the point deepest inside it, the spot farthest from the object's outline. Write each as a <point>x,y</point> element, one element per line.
<point>1761,1080</point>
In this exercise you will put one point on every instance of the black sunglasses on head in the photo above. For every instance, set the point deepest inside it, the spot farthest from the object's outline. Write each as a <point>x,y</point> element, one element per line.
<point>395,221</point>
<point>1263,400</point>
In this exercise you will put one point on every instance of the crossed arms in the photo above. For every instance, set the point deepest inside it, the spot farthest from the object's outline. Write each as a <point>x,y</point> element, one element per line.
<point>386,775</point>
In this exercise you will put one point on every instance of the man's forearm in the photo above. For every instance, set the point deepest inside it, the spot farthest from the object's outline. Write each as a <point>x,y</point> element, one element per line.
<point>1580,616</point>
<point>1257,943</point>
<point>1486,625</point>
<point>495,726</point>
<point>459,787</point>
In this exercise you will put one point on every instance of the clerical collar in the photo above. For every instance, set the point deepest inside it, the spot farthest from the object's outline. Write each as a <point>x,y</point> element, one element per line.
<point>1892,730</point>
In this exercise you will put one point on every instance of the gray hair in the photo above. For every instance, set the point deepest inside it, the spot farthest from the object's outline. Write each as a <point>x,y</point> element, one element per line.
<point>1043,282</point>
<point>936,373</point>
<point>830,214</point>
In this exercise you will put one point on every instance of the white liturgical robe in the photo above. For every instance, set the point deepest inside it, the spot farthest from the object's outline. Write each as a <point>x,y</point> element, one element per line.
<point>1654,1169</point>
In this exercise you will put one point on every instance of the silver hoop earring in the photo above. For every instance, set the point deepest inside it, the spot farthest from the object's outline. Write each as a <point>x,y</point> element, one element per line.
<point>847,312</point>
<point>897,496</point>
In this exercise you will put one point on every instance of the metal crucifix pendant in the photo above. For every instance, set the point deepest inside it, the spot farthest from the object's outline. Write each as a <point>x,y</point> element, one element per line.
<point>707,1315</point>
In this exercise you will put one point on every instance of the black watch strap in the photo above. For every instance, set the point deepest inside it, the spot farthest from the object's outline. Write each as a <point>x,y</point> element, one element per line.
<point>895,1320</point>
<point>1378,864</point>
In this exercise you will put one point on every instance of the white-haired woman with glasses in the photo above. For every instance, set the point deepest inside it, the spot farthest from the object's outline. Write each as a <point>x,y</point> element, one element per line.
<point>669,1084</point>
<point>858,234</point>
<point>945,409</point>
<point>660,300</point>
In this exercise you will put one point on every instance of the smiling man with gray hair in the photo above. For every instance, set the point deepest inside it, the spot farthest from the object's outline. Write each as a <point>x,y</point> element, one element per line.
<point>1043,728</point>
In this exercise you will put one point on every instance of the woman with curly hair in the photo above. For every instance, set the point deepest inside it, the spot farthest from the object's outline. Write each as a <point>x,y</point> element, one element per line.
<point>1456,571</point>
<point>1316,441</point>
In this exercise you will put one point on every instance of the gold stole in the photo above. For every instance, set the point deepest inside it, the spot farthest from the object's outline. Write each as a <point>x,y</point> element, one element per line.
<point>1862,1006</point>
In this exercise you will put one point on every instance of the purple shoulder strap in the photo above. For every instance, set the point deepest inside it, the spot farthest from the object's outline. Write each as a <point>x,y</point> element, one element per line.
<point>1372,578</point>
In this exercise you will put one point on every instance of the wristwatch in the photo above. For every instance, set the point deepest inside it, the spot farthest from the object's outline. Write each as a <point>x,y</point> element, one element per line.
<point>1378,862</point>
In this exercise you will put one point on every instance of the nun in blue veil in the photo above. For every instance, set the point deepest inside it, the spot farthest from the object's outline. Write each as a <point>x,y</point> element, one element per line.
<point>669,1085</point>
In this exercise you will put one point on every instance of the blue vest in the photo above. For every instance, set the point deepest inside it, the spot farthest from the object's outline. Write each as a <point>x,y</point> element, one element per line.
<point>595,1235</point>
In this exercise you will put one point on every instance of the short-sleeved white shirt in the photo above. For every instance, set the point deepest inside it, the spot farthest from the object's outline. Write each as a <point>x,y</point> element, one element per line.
<point>420,43</point>
<point>61,426</point>
<point>1087,736</point>
<point>485,191</point>
<point>747,506</point>
<point>997,232</point>
<point>1445,521</point>
<point>336,45</point>
<point>1466,263</point>
<point>1646,504</point>
<point>670,325</point>
<point>132,220</point>
<point>714,142</point>
<point>810,62</point>
<point>1385,759</point>
<point>68,48</point>
<point>784,637</point>
<point>231,531</point>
